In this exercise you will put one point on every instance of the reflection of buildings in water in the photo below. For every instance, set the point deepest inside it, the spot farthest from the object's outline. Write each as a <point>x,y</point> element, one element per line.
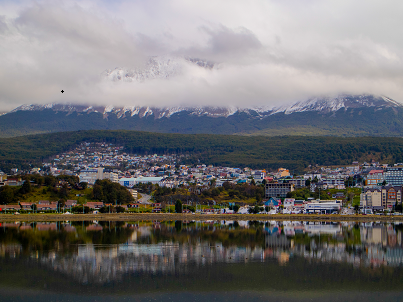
<point>12,250</point>
<point>377,244</point>
<point>381,244</point>
<point>100,264</point>
<point>46,226</point>
<point>331,229</point>
<point>373,235</point>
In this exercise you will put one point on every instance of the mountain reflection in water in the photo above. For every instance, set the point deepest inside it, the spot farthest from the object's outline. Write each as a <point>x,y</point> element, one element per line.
<point>299,256</point>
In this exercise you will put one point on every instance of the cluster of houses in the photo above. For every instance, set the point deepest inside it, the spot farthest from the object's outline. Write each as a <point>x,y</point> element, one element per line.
<point>48,206</point>
<point>382,188</point>
<point>381,183</point>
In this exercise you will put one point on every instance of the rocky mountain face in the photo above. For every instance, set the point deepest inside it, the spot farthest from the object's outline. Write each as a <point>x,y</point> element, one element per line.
<point>319,105</point>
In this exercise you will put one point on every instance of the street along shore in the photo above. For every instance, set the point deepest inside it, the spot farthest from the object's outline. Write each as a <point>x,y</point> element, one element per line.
<point>176,216</point>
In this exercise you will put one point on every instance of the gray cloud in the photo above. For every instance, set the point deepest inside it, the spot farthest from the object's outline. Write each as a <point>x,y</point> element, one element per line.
<point>224,44</point>
<point>266,52</point>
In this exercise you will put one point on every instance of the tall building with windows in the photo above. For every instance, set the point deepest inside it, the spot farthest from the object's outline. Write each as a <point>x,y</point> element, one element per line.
<point>385,197</point>
<point>274,189</point>
<point>91,175</point>
<point>371,199</point>
<point>391,195</point>
<point>394,176</point>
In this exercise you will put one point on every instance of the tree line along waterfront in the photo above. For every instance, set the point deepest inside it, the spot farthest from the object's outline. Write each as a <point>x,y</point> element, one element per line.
<point>63,193</point>
<point>294,152</point>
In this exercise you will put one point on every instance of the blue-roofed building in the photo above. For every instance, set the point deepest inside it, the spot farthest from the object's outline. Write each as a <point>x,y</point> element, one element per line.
<point>272,202</point>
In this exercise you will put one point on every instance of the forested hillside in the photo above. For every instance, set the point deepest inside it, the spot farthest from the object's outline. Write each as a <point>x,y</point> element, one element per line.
<point>293,152</point>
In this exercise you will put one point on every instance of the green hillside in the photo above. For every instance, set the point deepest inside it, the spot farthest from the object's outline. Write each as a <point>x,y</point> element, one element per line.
<point>294,152</point>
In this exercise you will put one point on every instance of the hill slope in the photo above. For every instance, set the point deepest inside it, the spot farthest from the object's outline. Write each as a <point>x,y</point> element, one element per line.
<point>295,153</point>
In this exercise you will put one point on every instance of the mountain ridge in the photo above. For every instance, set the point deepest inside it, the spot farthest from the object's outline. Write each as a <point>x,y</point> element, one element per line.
<point>345,115</point>
<point>324,104</point>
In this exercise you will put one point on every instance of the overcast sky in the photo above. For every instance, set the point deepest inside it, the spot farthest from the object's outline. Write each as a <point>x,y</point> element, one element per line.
<point>266,52</point>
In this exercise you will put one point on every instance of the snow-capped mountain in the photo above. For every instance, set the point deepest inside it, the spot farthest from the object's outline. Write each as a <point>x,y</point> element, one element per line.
<point>132,110</point>
<point>344,115</point>
<point>324,105</point>
<point>330,104</point>
<point>161,67</point>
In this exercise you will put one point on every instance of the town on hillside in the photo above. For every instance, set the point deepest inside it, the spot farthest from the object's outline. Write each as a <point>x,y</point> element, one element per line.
<point>101,177</point>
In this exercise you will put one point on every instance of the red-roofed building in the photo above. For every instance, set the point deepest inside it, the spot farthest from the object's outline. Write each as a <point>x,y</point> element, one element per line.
<point>10,208</point>
<point>70,203</point>
<point>95,204</point>
<point>26,205</point>
<point>47,207</point>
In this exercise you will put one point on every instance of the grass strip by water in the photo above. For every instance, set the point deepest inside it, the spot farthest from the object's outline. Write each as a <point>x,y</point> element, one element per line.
<point>176,216</point>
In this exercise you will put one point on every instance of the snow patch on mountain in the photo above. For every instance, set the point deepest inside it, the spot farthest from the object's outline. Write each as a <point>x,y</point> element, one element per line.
<point>323,105</point>
<point>332,104</point>
<point>161,67</point>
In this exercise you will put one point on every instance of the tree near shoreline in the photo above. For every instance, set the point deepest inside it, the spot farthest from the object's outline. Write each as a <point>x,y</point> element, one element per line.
<point>178,206</point>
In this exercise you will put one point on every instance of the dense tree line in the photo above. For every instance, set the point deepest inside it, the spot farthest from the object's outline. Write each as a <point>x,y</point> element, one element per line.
<point>293,152</point>
<point>240,191</point>
<point>110,192</point>
<point>59,186</point>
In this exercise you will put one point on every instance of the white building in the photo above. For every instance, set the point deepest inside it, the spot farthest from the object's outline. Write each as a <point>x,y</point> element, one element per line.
<point>91,175</point>
<point>127,182</point>
<point>371,199</point>
<point>130,182</point>
<point>322,207</point>
<point>289,202</point>
<point>146,180</point>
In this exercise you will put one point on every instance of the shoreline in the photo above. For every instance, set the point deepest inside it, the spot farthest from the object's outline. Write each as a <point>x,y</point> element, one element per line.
<point>175,216</point>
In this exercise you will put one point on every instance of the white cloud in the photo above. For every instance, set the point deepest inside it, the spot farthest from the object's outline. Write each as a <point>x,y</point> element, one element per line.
<point>266,52</point>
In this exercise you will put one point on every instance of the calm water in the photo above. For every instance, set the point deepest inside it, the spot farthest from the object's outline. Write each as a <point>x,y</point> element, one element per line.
<point>201,261</point>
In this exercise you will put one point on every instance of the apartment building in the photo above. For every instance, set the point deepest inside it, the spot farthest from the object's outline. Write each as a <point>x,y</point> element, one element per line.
<point>278,189</point>
<point>91,175</point>
<point>381,198</point>
<point>372,199</point>
<point>391,195</point>
<point>374,178</point>
<point>297,182</point>
<point>394,176</point>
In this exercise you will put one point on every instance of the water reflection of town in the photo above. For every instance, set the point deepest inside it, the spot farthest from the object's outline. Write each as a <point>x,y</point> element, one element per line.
<point>176,247</point>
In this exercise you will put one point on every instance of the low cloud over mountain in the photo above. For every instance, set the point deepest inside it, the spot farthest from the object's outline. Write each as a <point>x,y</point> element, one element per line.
<point>256,53</point>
